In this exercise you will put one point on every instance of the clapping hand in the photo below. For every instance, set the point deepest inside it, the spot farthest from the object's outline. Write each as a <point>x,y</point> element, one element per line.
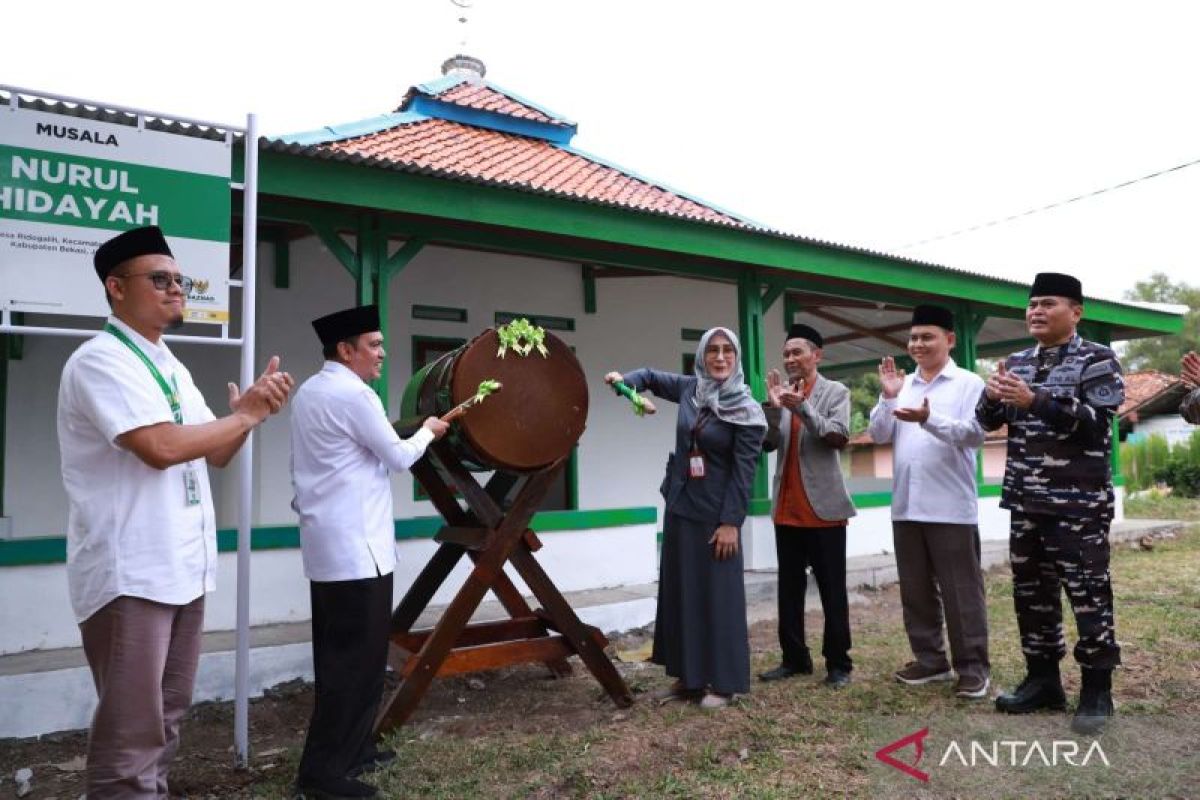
<point>891,380</point>
<point>913,414</point>
<point>780,394</point>
<point>266,396</point>
<point>1009,389</point>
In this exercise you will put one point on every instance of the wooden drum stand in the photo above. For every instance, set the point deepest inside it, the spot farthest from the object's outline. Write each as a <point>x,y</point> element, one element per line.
<point>490,537</point>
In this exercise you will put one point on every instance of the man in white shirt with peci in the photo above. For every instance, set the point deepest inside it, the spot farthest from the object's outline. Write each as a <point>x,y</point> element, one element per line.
<point>343,450</point>
<point>929,417</point>
<point>136,439</point>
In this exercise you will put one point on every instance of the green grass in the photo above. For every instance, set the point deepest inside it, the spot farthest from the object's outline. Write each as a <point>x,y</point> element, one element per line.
<point>1154,504</point>
<point>563,739</point>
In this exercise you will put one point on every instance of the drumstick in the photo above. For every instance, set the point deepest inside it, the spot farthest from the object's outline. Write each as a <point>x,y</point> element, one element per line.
<point>486,387</point>
<point>641,405</point>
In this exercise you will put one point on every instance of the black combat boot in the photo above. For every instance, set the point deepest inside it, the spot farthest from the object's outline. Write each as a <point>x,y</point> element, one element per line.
<point>1095,702</point>
<point>1042,688</point>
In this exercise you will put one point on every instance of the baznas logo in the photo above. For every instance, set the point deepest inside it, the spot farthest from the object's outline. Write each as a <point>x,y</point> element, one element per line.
<point>884,754</point>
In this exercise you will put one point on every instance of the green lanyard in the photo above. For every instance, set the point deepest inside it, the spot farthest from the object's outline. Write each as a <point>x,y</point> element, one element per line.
<point>170,392</point>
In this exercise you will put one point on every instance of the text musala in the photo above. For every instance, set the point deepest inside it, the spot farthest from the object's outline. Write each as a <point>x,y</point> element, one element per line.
<point>77,134</point>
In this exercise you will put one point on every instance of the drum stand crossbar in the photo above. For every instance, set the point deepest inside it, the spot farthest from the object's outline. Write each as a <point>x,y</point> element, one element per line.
<point>490,537</point>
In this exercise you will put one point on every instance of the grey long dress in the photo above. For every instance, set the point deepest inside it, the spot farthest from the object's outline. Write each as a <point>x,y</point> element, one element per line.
<point>700,633</point>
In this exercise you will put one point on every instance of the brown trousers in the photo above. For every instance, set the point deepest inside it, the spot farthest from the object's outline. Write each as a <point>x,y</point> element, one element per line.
<point>939,569</point>
<point>143,657</point>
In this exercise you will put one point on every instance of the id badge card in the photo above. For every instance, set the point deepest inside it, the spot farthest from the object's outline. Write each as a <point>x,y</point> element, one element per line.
<point>191,486</point>
<point>696,464</point>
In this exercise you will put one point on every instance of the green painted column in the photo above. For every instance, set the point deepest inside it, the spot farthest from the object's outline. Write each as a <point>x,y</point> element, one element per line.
<point>283,261</point>
<point>750,325</point>
<point>389,267</point>
<point>967,324</point>
<point>589,289</point>
<point>366,260</point>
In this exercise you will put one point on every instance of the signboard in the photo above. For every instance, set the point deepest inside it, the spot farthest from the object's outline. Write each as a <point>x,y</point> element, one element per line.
<point>68,184</point>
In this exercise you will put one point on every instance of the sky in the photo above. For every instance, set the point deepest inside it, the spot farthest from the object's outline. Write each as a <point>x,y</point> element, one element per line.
<point>880,124</point>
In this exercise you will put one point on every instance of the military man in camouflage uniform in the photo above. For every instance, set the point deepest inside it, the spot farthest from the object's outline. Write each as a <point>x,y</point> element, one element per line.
<point>1190,372</point>
<point>1058,399</point>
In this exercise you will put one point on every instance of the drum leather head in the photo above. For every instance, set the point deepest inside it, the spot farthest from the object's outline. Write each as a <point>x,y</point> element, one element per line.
<point>536,418</point>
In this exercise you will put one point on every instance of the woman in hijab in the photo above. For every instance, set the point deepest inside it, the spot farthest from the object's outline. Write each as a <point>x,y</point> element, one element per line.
<point>700,633</point>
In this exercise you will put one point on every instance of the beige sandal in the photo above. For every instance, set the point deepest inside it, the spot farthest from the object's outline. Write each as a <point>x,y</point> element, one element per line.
<point>676,691</point>
<point>713,701</point>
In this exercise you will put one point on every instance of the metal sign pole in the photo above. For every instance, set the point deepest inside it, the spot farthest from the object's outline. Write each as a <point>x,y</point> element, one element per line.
<point>241,706</point>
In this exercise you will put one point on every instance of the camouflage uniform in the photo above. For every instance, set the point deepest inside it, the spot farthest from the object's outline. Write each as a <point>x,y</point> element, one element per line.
<point>1190,407</point>
<point>1058,485</point>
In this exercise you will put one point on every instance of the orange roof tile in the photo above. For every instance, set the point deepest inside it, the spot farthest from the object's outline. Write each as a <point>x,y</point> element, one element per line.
<point>1142,386</point>
<point>484,98</point>
<point>453,149</point>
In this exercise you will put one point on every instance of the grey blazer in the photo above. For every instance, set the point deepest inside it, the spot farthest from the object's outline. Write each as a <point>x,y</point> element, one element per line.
<point>825,429</point>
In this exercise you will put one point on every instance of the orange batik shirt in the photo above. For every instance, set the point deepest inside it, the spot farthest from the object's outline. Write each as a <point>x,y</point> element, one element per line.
<point>793,507</point>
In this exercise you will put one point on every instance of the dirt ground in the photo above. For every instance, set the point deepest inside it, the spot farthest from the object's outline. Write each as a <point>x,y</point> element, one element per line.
<point>522,698</point>
<point>519,733</point>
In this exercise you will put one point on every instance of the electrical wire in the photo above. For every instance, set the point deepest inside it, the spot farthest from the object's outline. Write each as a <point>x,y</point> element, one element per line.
<point>1040,209</point>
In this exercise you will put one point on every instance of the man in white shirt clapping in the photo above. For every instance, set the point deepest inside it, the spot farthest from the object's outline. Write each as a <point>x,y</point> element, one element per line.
<point>343,449</point>
<point>929,417</point>
<point>136,439</point>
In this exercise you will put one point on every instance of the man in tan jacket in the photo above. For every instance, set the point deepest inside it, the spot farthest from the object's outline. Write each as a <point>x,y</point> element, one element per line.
<point>808,419</point>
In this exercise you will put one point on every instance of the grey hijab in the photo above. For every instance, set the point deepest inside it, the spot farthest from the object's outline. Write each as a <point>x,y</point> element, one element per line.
<point>729,399</point>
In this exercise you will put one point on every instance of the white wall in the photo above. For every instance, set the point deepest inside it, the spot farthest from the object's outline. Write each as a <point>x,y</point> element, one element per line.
<point>868,533</point>
<point>35,611</point>
<point>1172,427</point>
<point>620,456</point>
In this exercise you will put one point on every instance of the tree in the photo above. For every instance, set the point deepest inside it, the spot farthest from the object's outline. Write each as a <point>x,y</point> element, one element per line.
<point>864,392</point>
<point>1163,352</point>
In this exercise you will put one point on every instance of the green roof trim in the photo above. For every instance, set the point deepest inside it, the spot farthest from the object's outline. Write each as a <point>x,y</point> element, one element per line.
<point>614,236</point>
<point>53,549</point>
<point>350,130</point>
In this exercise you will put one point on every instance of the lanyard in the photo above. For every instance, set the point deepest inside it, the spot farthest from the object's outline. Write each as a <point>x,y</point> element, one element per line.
<point>702,419</point>
<point>170,392</point>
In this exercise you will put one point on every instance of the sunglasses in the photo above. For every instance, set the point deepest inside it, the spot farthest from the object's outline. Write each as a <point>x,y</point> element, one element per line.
<point>162,280</point>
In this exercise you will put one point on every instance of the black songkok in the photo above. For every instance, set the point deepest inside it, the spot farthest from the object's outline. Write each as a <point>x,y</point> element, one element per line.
<point>1056,284</point>
<point>347,324</point>
<point>934,315</point>
<point>801,331</point>
<point>148,241</point>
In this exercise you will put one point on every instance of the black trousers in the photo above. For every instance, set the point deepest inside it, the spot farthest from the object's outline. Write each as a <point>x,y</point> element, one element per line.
<point>350,622</point>
<point>824,549</point>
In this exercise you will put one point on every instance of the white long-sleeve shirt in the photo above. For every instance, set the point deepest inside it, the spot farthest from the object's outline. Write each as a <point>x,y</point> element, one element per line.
<point>343,448</point>
<point>934,461</point>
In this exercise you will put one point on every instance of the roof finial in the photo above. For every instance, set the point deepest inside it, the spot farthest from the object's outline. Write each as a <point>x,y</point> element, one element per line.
<point>469,66</point>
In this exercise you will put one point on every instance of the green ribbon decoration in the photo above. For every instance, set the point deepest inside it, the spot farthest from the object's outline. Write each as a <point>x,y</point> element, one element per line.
<point>625,390</point>
<point>522,336</point>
